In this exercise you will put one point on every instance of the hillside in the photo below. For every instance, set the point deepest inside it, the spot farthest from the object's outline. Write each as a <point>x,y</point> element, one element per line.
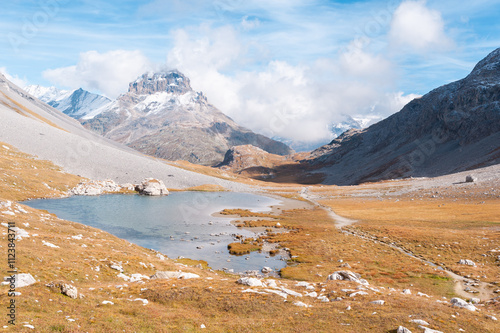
<point>453,128</point>
<point>36,128</point>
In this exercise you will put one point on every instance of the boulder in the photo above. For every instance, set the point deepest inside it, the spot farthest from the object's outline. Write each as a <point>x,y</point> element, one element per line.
<point>266,270</point>
<point>467,262</point>
<point>347,276</point>
<point>402,329</point>
<point>378,302</point>
<point>64,288</point>
<point>69,290</point>
<point>249,281</point>
<point>152,187</point>
<point>460,303</point>
<point>419,322</point>
<point>470,179</point>
<point>20,280</point>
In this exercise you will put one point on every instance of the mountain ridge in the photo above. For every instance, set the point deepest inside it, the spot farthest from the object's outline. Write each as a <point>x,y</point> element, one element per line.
<point>452,128</point>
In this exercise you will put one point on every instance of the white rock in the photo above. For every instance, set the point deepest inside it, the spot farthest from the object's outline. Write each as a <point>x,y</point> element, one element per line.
<point>29,326</point>
<point>291,292</point>
<point>20,280</point>
<point>107,302</point>
<point>277,292</point>
<point>460,303</point>
<point>467,262</point>
<point>312,294</point>
<point>153,187</point>
<point>324,299</point>
<point>271,284</point>
<point>406,291</point>
<point>144,301</point>
<point>402,329</point>
<point>186,276</point>
<point>116,267</point>
<point>378,302</point>
<point>49,244</point>
<point>419,322</point>
<point>8,212</point>
<point>302,304</point>
<point>491,317</point>
<point>475,300</point>
<point>249,281</point>
<point>69,290</point>
<point>77,237</point>
<point>266,270</point>
<point>357,293</point>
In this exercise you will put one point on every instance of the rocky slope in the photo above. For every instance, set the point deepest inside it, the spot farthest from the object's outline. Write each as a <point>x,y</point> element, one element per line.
<point>38,129</point>
<point>162,116</point>
<point>77,103</point>
<point>453,128</point>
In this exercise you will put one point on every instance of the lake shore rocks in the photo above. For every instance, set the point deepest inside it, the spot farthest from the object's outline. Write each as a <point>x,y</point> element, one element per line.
<point>152,187</point>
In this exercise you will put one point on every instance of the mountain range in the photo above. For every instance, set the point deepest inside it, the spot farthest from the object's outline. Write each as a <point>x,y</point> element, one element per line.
<point>160,115</point>
<point>453,128</point>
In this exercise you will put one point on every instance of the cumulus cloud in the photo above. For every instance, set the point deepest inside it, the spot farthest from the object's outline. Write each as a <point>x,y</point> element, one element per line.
<point>109,73</point>
<point>418,27</point>
<point>294,102</point>
<point>14,79</point>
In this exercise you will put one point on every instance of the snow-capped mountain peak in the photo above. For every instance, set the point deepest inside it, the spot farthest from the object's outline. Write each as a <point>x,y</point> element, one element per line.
<point>76,103</point>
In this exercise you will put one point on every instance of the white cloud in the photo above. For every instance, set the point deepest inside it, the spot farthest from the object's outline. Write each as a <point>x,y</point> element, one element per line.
<point>418,27</point>
<point>14,79</point>
<point>249,23</point>
<point>109,73</point>
<point>295,102</point>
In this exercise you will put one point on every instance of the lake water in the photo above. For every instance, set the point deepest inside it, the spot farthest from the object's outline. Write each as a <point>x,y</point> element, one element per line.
<point>175,225</point>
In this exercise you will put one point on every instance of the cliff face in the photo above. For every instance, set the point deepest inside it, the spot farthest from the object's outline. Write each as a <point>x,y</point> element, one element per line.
<point>453,128</point>
<point>162,116</point>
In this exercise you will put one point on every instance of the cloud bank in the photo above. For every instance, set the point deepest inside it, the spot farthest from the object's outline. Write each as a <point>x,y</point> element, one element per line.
<point>108,73</point>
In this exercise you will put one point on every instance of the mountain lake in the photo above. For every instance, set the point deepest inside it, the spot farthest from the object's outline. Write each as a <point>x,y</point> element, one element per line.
<point>178,225</point>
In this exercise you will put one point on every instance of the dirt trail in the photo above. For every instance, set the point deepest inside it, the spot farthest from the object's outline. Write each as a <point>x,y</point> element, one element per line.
<point>483,290</point>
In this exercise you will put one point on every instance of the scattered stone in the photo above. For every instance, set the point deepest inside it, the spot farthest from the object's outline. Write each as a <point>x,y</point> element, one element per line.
<point>458,302</point>
<point>29,326</point>
<point>266,270</point>
<point>20,280</point>
<point>96,188</point>
<point>470,179</point>
<point>358,293</point>
<point>348,308</point>
<point>69,290</point>
<point>491,317</point>
<point>152,187</point>
<point>291,292</point>
<point>250,281</point>
<point>378,302</point>
<point>271,284</point>
<point>174,275</point>
<point>467,262</point>
<point>144,301</point>
<point>108,302</point>
<point>116,267</point>
<point>302,304</point>
<point>49,244</point>
<point>419,322</point>
<point>406,291</point>
<point>347,276</point>
<point>402,329</point>
<point>475,300</point>
<point>346,265</point>
<point>324,299</point>
<point>277,292</point>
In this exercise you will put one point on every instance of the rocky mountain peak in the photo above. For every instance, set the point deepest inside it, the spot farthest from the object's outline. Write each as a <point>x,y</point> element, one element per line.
<point>488,68</point>
<point>150,83</point>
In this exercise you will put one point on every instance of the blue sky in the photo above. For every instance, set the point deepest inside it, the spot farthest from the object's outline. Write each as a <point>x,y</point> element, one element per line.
<point>307,58</point>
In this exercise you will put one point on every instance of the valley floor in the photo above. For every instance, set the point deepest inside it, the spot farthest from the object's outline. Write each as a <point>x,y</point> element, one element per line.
<point>404,238</point>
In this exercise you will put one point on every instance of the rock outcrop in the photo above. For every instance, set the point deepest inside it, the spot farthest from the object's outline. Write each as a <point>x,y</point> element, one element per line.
<point>152,187</point>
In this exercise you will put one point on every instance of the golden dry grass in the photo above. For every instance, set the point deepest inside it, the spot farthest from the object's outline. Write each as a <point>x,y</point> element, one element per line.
<point>218,302</point>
